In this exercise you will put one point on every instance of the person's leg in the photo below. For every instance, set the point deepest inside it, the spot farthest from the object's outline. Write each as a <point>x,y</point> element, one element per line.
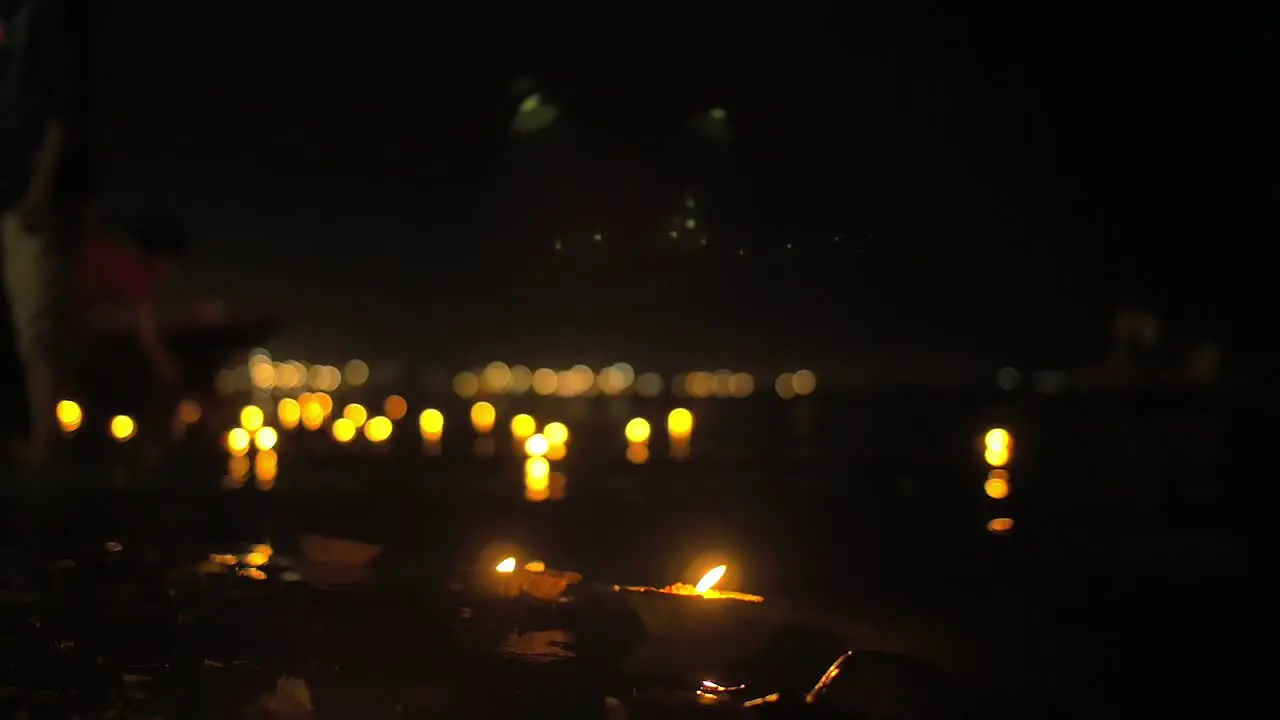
<point>35,272</point>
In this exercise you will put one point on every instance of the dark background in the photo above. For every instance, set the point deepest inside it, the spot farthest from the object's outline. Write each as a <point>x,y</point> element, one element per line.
<point>959,189</point>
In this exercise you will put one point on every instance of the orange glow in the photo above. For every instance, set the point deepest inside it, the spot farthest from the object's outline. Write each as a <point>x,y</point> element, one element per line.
<point>395,408</point>
<point>556,453</point>
<point>312,415</point>
<point>522,426</point>
<point>1000,525</point>
<point>637,431</point>
<point>344,431</point>
<point>997,484</point>
<point>483,416</point>
<point>69,415</point>
<point>251,417</point>
<point>237,471</point>
<point>431,423</point>
<point>265,468</point>
<point>189,412</point>
<point>507,565</point>
<point>288,413</point>
<point>325,402</point>
<point>638,453</point>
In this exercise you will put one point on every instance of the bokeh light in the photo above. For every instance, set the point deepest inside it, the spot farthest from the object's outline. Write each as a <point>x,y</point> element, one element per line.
<point>312,415</point>
<point>522,426</point>
<point>466,384</point>
<point>638,453</point>
<point>555,453</point>
<point>288,413</point>
<point>356,413</point>
<point>238,441</point>
<point>1000,525</point>
<point>637,431</point>
<point>431,423</point>
<point>537,470</point>
<point>395,408</point>
<point>536,445</point>
<point>997,484</point>
<point>483,415</point>
<point>680,423</point>
<point>251,417</point>
<point>189,412</point>
<point>266,465</point>
<point>69,415</point>
<point>556,433</point>
<point>804,382</point>
<point>122,428</point>
<point>378,428</point>
<point>356,372</point>
<point>785,386</point>
<point>344,431</point>
<point>265,438</point>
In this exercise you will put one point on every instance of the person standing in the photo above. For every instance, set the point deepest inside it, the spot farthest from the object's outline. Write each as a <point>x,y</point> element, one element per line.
<point>46,184</point>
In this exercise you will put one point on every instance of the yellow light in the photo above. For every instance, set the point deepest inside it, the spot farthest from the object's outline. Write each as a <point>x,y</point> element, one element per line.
<point>251,417</point>
<point>431,422</point>
<point>483,416</point>
<point>356,413</point>
<point>378,428</point>
<point>68,412</point>
<point>996,456</point>
<point>556,433</point>
<point>522,426</point>
<point>680,423</point>
<point>709,580</point>
<point>265,438</point>
<point>238,440</point>
<point>997,484</point>
<point>265,467</point>
<point>344,431</point>
<point>325,401</point>
<point>637,431</point>
<point>536,468</point>
<point>536,446</point>
<point>556,453</point>
<point>395,407</point>
<point>507,565</point>
<point>312,415</point>
<point>804,382</point>
<point>997,438</point>
<point>122,427</point>
<point>289,413</point>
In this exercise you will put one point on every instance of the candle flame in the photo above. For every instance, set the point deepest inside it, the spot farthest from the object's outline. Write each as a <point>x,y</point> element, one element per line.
<point>506,566</point>
<point>709,580</point>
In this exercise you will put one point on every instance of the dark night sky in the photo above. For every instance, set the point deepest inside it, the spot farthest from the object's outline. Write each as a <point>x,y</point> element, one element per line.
<point>1031,160</point>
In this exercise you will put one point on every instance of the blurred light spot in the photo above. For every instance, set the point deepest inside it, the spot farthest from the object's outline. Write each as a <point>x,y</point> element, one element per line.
<point>700,384</point>
<point>741,385</point>
<point>69,415</point>
<point>637,431</point>
<point>482,417</point>
<point>378,428</point>
<point>495,377</point>
<point>288,413</point>
<point>1000,525</point>
<point>638,453</point>
<point>395,408</point>
<point>522,426</point>
<point>431,422</point>
<point>262,374</point>
<point>344,431</point>
<point>356,372</point>
<point>537,470</point>
<point>555,453</point>
<point>521,380</point>
<point>996,456</point>
<point>785,386</point>
<point>536,446</point>
<point>680,423</point>
<point>997,438</point>
<point>720,381</point>
<point>325,402</point>
<point>312,415</point>
<point>265,467</point>
<point>556,433</point>
<point>265,438</point>
<point>545,381</point>
<point>466,384</point>
<point>680,385</point>
<point>238,441</point>
<point>356,413</point>
<point>251,417</point>
<point>804,382</point>
<point>237,471</point>
<point>611,381</point>
<point>648,384</point>
<point>997,484</point>
<point>678,448</point>
<point>122,428</point>
<point>189,412</point>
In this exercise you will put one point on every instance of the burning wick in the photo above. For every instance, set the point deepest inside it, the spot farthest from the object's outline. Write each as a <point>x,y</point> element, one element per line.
<point>506,566</point>
<point>709,580</point>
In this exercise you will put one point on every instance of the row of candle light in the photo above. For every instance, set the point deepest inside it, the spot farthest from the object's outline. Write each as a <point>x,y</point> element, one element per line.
<point>997,451</point>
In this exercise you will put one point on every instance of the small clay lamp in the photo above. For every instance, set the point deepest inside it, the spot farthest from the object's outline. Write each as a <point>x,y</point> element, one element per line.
<point>535,579</point>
